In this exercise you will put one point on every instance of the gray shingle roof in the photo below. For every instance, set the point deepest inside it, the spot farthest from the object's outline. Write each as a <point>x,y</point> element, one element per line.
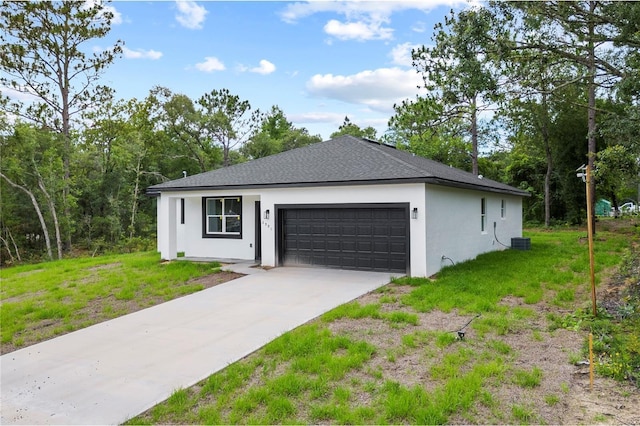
<point>345,160</point>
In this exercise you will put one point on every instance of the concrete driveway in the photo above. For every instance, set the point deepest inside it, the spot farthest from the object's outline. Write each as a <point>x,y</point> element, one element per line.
<point>110,372</point>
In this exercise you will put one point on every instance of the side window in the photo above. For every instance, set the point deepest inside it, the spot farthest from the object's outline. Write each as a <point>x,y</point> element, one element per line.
<point>483,214</point>
<point>503,209</point>
<point>222,217</point>
<point>182,211</point>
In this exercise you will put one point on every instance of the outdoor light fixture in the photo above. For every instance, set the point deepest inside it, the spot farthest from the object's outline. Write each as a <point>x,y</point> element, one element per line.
<point>414,213</point>
<point>266,214</point>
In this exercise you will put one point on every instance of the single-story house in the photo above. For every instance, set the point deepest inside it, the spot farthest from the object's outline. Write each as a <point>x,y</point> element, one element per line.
<point>347,203</point>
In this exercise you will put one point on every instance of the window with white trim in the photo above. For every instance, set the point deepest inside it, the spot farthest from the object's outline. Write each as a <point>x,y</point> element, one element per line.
<point>503,209</point>
<point>483,214</point>
<point>222,217</point>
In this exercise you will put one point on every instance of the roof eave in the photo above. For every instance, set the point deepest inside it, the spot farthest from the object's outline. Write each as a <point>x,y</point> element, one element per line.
<point>154,192</point>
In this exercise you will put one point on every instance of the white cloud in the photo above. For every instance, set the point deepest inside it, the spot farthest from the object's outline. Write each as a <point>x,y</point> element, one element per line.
<point>365,19</point>
<point>190,14</point>
<point>265,68</point>
<point>401,54</point>
<point>317,117</point>
<point>295,11</point>
<point>141,54</point>
<point>210,64</point>
<point>117,16</point>
<point>22,95</point>
<point>378,89</point>
<point>358,30</point>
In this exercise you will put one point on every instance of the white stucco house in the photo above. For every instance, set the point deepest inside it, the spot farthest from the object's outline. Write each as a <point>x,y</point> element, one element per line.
<point>346,203</point>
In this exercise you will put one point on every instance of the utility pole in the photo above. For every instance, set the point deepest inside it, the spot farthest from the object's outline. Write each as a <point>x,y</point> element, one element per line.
<point>585,174</point>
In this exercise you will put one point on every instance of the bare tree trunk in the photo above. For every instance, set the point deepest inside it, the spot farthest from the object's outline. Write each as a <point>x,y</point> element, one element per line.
<point>134,204</point>
<point>15,246</point>
<point>54,214</point>
<point>474,137</point>
<point>592,112</point>
<point>6,243</point>
<point>549,158</point>
<point>45,230</point>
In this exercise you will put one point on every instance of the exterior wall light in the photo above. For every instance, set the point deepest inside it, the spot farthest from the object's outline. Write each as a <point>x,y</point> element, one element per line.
<point>266,214</point>
<point>414,213</point>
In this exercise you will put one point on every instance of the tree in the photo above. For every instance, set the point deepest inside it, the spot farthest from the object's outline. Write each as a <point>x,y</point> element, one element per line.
<point>276,134</point>
<point>458,71</point>
<point>229,121</point>
<point>600,39</point>
<point>418,128</point>
<point>349,128</point>
<point>533,94</point>
<point>42,54</point>
<point>616,169</point>
<point>188,129</point>
<point>31,163</point>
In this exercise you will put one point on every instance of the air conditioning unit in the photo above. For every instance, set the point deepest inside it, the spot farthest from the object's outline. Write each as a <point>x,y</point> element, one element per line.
<point>521,243</point>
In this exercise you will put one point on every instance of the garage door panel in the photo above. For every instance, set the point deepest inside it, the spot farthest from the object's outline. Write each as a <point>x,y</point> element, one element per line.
<point>349,231</point>
<point>333,229</point>
<point>348,246</point>
<point>381,247</point>
<point>364,231</point>
<point>364,246</point>
<point>397,231</point>
<point>350,238</point>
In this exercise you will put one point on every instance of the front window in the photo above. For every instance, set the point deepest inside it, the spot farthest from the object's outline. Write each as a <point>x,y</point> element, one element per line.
<point>222,217</point>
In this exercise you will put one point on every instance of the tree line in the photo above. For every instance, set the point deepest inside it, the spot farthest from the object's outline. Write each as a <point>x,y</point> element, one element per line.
<point>523,93</point>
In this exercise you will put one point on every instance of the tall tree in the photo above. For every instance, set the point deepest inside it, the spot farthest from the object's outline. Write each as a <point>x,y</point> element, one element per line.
<point>43,54</point>
<point>458,71</point>
<point>534,88</point>
<point>600,39</point>
<point>228,119</point>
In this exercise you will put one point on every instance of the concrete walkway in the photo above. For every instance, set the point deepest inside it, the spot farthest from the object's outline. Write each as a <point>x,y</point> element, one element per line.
<point>110,372</point>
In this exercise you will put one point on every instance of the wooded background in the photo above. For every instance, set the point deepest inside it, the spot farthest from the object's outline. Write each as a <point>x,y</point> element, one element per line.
<point>523,93</point>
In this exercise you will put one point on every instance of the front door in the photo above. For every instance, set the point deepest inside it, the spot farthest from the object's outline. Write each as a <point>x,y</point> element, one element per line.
<point>258,233</point>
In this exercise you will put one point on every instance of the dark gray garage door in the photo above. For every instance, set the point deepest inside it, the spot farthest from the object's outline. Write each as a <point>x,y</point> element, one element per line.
<point>372,238</point>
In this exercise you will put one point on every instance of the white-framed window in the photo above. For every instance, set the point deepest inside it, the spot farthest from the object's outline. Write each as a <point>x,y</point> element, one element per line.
<point>503,209</point>
<point>222,217</point>
<point>483,214</point>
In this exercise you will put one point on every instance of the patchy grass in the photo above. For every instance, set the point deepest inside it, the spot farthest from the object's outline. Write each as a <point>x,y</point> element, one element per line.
<point>45,300</point>
<point>393,357</point>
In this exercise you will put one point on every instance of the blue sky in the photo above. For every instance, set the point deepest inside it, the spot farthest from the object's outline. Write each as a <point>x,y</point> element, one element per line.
<point>318,60</point>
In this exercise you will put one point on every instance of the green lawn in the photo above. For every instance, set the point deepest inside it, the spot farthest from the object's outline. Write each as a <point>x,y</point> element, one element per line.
<point>392,357</point>
<point>44,300</point>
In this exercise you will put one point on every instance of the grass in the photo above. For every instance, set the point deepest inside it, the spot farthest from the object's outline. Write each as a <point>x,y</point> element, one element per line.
<point>48,299</point>
<point>314,375</point>
<point>319,373</point>
<point>557,264</point>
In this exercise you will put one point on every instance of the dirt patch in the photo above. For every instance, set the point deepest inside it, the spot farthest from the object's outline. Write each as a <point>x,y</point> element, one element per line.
<point>563,395</point>
<point>105,267</point>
